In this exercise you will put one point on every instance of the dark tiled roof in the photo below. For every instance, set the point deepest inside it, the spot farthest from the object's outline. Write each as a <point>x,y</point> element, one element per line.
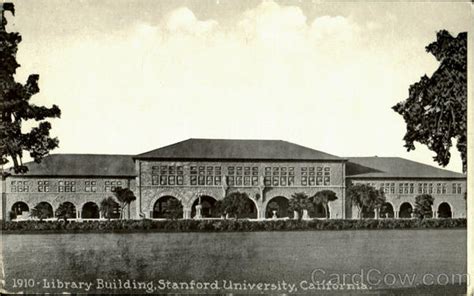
<point>237,149</point>
<point>83,165</point>
<point>394,167</point>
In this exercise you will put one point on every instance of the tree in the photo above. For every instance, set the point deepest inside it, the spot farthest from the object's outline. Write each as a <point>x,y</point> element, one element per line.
<point>41,211</point>
<point>366,198</point>
<point>238,205</point>
<point>436,109</point>
<point>423,206</point>
<point>109,207</point>
<point>300,202</point>
<point>65,210</point>
<point>125,196</point>
<point>15,107</point>
<point>323,198</point>
<point>173,210</point>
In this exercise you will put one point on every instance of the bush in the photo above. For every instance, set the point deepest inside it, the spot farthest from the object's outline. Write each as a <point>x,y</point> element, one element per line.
<point>147,225</point>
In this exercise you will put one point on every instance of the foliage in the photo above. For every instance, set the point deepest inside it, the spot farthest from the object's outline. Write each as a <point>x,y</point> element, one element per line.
<point>125,196</point>
<point>109,207</point>
<point>366,198</point>
<point>238,205</point>
<point>436,109</point>
<point>65,211</point>
<point>173,210</point>
<point>41,211</point>
<point>221,225</point>
<point>300,202</point>
<point>323,198</point>
<point>16,108</point>
<point>423,206</point>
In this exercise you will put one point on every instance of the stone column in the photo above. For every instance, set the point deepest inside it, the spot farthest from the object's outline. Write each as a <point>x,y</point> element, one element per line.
<point>295,215</point>
<point>198,212</point>
<point>186,213</point>
<point>377,213</point>
<point>435,213</point>
<point>395,214</point>
<point>305,215</point>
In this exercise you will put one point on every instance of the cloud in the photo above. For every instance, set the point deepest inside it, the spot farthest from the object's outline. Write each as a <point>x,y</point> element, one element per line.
<point>183,20</point>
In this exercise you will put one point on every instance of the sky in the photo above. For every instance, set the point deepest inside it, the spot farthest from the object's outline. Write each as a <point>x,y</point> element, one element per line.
<point>132,76</point>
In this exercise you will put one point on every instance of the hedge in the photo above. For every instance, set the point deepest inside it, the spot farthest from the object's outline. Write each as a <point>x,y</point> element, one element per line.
<point>147,225</point>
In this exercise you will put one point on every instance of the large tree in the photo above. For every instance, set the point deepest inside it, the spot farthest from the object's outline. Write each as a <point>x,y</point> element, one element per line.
<point>238,205</point>
<point>300,202</point>
<point>436,108</point>
<point>16,109</point>
<point>423,206</point>
<point>125,196</point>
<point>323,198</point>
<point>366,198</point>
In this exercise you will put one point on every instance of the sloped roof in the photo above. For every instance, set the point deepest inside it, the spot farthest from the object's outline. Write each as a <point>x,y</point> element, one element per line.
<point>105,165</point>
<point>394,167</point>
<point>221,149</point>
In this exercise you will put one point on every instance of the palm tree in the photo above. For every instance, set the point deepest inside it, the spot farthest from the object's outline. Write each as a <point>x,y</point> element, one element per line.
<point>323,198</point>
<point>41,211</point>
<point>108,206</point>
<point>65,210</point>
<point>300,202</point>
<point>125,196</point>
<point>366,198</point>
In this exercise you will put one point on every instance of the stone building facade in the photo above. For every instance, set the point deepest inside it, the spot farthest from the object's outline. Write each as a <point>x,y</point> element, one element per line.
<point>199,172</point>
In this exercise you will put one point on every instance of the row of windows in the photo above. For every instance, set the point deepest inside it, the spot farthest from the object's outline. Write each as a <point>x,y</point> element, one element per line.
<point>63,186</point>
<point>422,188</point>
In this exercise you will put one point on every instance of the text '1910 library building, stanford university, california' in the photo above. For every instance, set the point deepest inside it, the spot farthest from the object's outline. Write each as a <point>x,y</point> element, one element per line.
<point>202,171</point>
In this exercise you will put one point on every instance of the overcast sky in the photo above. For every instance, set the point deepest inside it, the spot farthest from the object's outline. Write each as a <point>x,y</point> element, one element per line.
<point>131,76</point>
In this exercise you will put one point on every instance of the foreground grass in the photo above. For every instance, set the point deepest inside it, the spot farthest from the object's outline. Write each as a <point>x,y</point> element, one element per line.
<point>147,225</point>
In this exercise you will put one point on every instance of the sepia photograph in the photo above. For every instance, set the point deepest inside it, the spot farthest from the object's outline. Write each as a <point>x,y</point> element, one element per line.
<point>219,147</point>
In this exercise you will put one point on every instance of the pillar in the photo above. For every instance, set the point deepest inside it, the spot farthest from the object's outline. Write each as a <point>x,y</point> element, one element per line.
<point>395,214</point>
<point>186,213</point>
<point>377,213</point>
<point>305,215</point>
<point>198,212</point>
<point>261,214</point>
<point>295,215</point>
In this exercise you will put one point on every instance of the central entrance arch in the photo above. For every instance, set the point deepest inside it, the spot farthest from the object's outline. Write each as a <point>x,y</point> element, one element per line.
<point>167,207</point>
<point>208,207</point>
<point>279,206</point>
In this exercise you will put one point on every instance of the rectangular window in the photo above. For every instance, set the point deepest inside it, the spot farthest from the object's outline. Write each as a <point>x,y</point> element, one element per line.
<point>193,170</point>
<point>267,181</point>
<point>201,180</point>
<point>231,180</point>
<point>193,180</point>
<point>443,188</point>
<point>254,171</point>
<point>171,180</point>
<point>327,180</point>
<point>180,180</point>
<point>405,189</point>
<point>312,181</point>
<point>217,180</point>
<point>230,171</point>
<point>238,171</point>
<point>412,188</point>
<point>247,171</point>
<point>163,180</point>
<point>268,171</point>
<point>275,181</point>
<point>209,180</point>
<point>291,180</point>
<point>238,181</point>
<point>400,188</point>
<point>459,189</point>
<point>438,188</point>
<point>254,180</point>
<point>247,180</point>
<point>283,181</point>
<point>392,188</point>
<point>304,181</point>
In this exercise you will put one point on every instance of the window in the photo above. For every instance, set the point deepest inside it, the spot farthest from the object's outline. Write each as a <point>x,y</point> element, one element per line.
<point>91,186</point>
<point>43,186</point>
<point>412,188</point>
<point>66,186</point>
<point>167,175</point>
<point>111,185</point>
<point>19,186</point>
<point>438,188</point>
<point>459,189</point>
<point>392,188</point>
<point>420,188</point>
<point>430,188</point>
<point>443,188</point>
<point>400,188</point>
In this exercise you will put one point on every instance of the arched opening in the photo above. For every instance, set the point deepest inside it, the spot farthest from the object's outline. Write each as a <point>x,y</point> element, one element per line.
<point>44,210</point>
<point>319,211</point>
<point>405,210</point>
<point>208,209</point>
<point>20,210</point>
<point>278,207</point>
<point>444,210</point>
<point>66,210</point>
<point>386,210</point>
<point>90,210</point>
<point>167,207</point>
